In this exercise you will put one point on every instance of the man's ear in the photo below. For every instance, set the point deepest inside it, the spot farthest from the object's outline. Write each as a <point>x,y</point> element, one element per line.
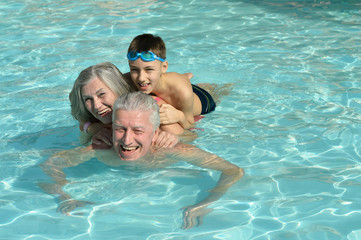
<point>164,66</point>
<point>154,139</point>
<point>156,133</point>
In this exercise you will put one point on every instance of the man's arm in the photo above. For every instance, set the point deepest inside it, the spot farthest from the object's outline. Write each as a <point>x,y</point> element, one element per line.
<point>230,174</point>
<point>54,166</point>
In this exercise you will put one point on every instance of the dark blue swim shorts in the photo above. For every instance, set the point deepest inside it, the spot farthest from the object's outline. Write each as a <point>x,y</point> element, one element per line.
<point>208,104</point>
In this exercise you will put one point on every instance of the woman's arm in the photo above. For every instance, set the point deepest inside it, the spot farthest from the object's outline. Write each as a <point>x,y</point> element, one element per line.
<point>93,128</point>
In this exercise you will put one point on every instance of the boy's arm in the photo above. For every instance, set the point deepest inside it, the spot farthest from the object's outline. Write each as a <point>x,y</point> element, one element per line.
<point>182,98</point>
<point>230,174</point>
<point>174,128</point>
<point>169,115</point>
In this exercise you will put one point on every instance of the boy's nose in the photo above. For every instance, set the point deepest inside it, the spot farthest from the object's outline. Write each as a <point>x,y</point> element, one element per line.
<point>142,76</point>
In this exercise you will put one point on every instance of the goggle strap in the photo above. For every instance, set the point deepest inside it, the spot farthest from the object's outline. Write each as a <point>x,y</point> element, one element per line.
<point>133,55</point>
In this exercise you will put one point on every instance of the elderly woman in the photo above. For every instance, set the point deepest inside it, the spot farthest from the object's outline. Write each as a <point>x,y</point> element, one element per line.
<point>92,98</point>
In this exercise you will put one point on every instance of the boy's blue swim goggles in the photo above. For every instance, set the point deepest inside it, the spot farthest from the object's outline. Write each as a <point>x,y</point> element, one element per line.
<point>147,56</point>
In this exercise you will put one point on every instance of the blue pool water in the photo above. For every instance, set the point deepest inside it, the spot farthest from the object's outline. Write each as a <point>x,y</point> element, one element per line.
<point>292,120</point>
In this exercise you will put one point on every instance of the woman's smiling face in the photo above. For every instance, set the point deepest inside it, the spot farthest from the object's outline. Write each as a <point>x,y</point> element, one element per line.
<point>99,100</point>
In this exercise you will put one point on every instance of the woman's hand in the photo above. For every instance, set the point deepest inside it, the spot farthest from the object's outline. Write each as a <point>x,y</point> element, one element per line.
<point>102,139</point>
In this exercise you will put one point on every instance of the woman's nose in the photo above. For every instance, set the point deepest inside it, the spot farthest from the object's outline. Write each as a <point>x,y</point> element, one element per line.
<point>97,103</point>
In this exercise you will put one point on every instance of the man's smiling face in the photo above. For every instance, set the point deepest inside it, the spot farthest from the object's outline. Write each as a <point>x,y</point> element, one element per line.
<point>133,134</point>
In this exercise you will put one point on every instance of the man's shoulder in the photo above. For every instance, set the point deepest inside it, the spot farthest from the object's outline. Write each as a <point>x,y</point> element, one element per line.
<point>184,146</point>
<point>179,147</point>
<point>108,157</point>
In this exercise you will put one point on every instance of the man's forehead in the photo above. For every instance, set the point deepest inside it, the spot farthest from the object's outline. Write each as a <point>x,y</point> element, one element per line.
<point>131,117</point>
<point>122,113</point>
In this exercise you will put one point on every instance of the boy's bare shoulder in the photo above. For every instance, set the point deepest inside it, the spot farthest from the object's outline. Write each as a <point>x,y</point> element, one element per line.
<point>179,85</point>
<point>172,76</point>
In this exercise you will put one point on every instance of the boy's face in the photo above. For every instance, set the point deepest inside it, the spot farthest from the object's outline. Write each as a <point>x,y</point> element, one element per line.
<point>146,75</point>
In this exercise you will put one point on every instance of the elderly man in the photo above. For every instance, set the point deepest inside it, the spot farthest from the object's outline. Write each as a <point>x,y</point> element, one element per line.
<point>135,128</point>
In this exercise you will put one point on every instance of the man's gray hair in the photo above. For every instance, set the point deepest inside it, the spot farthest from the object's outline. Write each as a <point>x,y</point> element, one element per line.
<point>138,101</point>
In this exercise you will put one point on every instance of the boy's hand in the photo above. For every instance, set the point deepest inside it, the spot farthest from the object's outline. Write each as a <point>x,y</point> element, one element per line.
<point>169,114</point>
<point>165,140</point>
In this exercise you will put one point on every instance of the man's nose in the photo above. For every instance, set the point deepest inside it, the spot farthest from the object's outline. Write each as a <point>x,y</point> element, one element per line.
<point>128,137</point>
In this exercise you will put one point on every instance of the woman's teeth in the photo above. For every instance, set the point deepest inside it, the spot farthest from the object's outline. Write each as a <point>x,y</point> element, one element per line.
<point>104,112</point>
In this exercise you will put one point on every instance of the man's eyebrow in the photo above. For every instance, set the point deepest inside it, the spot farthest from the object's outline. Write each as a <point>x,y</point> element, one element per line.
<point>134,127</point>
<point>138,127</point>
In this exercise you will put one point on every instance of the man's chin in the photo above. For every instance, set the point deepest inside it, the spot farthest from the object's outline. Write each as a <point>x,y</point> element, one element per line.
<point>128,159</point>
<point>124,156</point>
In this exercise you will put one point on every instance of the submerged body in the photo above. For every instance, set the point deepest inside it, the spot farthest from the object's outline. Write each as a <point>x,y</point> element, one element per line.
<point>135,128</point>
<point>155,158</point>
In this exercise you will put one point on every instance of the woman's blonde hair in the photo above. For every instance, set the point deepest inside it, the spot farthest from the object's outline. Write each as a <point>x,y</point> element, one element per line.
<point>110,75</point>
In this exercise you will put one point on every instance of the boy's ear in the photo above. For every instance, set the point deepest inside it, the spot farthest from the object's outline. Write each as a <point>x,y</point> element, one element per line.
<point>164,66</point>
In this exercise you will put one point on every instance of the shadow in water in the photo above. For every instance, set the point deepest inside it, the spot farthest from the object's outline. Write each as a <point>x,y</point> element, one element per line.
<point>311,9</point>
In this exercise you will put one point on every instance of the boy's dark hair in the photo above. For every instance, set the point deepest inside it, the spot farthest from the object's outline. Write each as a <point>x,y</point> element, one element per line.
<point>148,42</point>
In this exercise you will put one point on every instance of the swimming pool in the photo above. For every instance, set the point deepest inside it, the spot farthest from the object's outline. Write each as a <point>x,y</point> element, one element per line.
<point>292,120</point>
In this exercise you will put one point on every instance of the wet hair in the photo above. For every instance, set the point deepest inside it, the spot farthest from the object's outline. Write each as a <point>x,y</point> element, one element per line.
<point>138,101</point>
<point>148,42</point>
<point>109,74</point>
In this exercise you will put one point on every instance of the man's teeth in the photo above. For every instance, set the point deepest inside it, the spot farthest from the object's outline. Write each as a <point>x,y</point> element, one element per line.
<point>143,84</point>
<point>129,148</point>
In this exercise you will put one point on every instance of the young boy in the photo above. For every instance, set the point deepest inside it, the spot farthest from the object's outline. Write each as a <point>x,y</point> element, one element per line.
<point>148,66</point>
